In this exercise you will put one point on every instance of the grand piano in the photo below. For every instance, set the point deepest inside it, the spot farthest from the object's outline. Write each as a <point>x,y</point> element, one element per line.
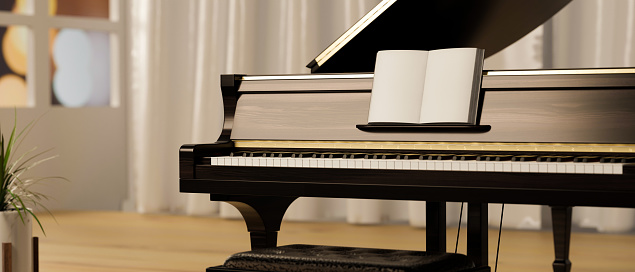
<point>560,138</point>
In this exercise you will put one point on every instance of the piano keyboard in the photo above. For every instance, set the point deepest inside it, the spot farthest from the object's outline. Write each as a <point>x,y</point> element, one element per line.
<point>430,162</point>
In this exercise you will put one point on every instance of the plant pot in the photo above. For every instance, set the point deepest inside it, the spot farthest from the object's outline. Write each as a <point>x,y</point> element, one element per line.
<point>18,233</point>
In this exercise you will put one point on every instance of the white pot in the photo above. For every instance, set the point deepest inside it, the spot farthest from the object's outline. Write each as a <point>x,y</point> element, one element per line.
<point>14,231</point>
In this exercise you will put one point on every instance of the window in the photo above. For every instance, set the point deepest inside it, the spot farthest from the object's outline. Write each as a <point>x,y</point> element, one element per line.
<point>61,53</point>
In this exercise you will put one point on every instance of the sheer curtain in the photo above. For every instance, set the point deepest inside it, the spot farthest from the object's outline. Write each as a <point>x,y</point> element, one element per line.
<point>179,48</point>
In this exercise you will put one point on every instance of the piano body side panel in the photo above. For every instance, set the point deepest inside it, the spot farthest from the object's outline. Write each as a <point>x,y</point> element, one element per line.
<point>567,116</point>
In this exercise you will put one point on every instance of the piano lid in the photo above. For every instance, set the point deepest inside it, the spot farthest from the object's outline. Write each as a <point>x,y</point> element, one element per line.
<point>433,24</point>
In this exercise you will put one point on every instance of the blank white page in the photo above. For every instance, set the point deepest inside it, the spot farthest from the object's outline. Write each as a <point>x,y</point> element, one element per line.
<point>398,86</point>
<point>449,85</point>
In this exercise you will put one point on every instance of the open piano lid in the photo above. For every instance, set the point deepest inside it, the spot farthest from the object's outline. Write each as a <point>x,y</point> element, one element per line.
<point>433,24</point>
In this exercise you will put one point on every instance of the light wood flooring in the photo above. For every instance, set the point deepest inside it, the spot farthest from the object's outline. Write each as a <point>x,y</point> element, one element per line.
<point>115,241</point>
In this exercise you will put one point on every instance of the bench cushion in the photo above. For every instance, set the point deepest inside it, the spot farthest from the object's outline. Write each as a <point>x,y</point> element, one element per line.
<point>304,258</point>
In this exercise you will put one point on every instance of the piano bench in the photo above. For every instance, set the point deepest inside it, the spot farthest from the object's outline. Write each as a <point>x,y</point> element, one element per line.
<point>303,258</point>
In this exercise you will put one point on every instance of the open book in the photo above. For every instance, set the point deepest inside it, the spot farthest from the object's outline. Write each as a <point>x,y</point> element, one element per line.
<point>427,87</point>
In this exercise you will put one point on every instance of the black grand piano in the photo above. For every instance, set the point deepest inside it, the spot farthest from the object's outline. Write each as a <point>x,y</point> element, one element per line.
<point>560,138</point>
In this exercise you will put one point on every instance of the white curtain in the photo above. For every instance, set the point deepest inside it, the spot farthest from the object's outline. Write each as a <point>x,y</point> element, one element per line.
<point>178,49</point>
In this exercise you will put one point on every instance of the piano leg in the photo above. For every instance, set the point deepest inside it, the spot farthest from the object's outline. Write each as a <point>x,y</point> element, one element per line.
<point>477,233</point>
<point>262,214</point>
<point>435,226</point>
<point>561,217</point>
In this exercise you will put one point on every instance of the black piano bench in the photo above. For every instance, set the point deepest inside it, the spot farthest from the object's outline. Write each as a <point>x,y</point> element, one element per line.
<point>308,258</point>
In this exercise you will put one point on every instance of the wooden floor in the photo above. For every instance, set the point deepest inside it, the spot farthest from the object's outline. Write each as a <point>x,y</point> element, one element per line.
<point>114,241</point>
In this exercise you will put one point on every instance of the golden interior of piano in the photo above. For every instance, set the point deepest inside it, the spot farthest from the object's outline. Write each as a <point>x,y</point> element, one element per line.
<point>458,146</point>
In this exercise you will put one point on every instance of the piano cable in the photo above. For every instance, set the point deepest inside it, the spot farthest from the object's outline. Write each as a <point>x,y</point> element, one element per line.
<point>500,230</point>
<point>458,232</point>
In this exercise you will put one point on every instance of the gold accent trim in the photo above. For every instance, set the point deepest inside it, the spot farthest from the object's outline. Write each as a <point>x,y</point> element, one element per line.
<point>455,146</point>
<point>353,31</point>
<point>562,72</point>
<point>312,76</point>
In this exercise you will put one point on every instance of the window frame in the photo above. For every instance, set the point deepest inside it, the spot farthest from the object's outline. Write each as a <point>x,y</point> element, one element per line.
<point>39,22</point>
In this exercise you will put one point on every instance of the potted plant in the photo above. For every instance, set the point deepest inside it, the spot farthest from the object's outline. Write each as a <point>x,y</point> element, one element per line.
<point>16,198</point>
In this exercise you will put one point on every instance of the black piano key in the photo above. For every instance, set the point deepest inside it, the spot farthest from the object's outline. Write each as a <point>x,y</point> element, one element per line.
<point>618,159</point>
<point>524,158</point>
<point>303,155</point>
<point>355,156</point>
<point>494,158</point>
<point>336,155</point>
<point>465,157</point>
<point>284,155</point>
<point>587,159</point>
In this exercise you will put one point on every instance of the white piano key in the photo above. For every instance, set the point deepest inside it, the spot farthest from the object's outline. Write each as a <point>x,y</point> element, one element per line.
<point>234,161</point>
<point>336,163</point>
<point>517,166</point>
<point>608,168</point>
<point>543,167</point>
<point>598,168</point>
<point>276,162</point>
<point>588,168</point>
<point>398,164</point>
<point>617,169</point>
<point>249,161</point>
<point>313,163</point>
<point>390,164</point>
<point>447,165</point>
<point>552,167</point>
<point>359,163</point>
<point>472,166</point>
<point>306,162</point>
<point>489,166</point>
<point>374,164</point>
<point>438,165</point>
<point>350,163</point>
<point>320,162</point>
<point>366,164</point>
<point>579,168</point>
<point>270,162</point>
<point>343,163</point>
<point>456,166</point>
<point>465,166</point>
<point>328,163</point>
<point>381,164</point>
<point>284,162</point>
<point>214,160</point>
<point>507,166</point>
<point>221,161</point>
<point>534,167</point>
<point>570,168</point>
<point>561,167</point>
<point>263,162</point>
<point>405,165</point>
<point>525,166</point>
<point>481,166</point>
<point>423,165</point>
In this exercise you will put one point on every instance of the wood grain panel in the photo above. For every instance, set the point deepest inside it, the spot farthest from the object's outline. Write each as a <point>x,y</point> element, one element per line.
<point>565,116</point>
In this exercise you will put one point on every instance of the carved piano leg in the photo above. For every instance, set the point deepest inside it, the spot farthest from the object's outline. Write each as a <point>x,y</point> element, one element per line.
<point>561,217</point>
<point>477,233</point>
<point>435,226</point>
<point>262,214</point>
